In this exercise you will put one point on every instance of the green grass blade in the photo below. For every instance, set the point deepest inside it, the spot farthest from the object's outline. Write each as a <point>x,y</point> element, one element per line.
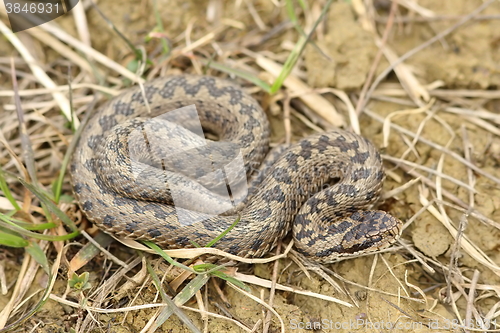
<point>224,233</point>
<point>239,73</point>
<point>50,205</point>
<point>12,240</point>
<point>37,253</point>
<point>172,308</point>
<point>215,270</point>
<point>137,52</point>
<point>231,279</point>
<point>6,191</point>
<point>13,227</point>
<point>183,296</point>
<point>159,27</point>
<point>298,49</point>
<point>165,256</point>
<point>289,64</point>
<point>290,9</point>
<point>33,227</point>
<point>26,225</point>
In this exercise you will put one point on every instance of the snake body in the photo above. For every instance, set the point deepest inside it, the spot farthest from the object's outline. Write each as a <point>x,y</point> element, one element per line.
<point>320,187</point>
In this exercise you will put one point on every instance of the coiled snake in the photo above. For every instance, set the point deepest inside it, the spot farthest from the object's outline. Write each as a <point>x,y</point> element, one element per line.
<point>319,187</point>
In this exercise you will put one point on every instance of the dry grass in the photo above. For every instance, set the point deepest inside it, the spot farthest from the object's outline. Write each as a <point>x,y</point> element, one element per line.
<point>48,94</point>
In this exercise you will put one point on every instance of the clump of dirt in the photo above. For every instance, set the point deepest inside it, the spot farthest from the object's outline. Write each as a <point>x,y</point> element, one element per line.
<point>468,58</point>
<point>343,58</point>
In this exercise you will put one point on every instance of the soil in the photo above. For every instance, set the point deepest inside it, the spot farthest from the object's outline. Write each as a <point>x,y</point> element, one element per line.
<point>400,289</point>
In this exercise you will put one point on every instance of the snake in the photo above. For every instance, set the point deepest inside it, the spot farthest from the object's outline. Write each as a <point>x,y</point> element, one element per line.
<point>137,174</point>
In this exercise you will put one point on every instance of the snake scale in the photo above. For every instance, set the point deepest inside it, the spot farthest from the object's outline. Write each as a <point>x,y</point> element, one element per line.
<point>319,187</point>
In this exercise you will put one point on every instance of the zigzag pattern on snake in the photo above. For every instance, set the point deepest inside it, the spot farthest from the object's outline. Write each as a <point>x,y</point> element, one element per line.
<point>320,187</point>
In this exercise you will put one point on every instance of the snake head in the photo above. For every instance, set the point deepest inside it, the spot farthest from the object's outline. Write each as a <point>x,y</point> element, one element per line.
<point>361,233</point>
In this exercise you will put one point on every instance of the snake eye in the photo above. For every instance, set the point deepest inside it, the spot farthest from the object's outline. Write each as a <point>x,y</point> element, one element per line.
<point>369,244</point>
